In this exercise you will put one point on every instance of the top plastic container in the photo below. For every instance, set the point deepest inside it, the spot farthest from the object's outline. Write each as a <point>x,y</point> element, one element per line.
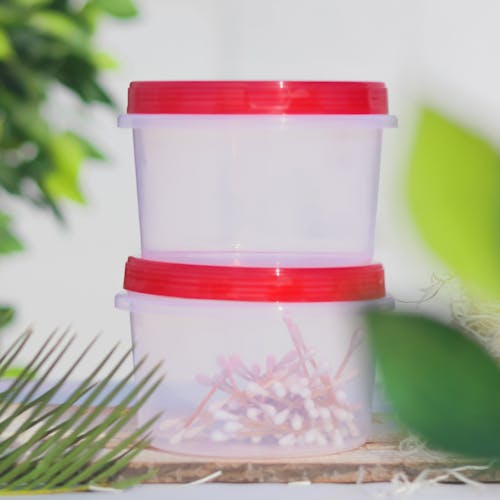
<point>253,173</point>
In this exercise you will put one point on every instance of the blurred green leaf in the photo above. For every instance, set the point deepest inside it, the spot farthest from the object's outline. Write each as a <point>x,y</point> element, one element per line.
<point>454,193</point>
<point>44,43</point>
<point>103,60</point>
<point>79,75</point>
<point>68,154</point>
<point>91,15</point>
<point>28,121</point>
<point>6,315</point>
<point>9,243</point>
<point>32,3</point>
<point>57,25</point>
<point>117,8</point>
<point>9,15</point>
<point>443,386</point>
<point>5,45</point>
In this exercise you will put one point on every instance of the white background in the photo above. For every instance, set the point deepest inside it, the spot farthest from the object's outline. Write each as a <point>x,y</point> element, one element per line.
<point>444,52</point>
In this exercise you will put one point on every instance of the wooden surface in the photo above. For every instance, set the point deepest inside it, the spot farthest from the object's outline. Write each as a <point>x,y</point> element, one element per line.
<point>379,460</point>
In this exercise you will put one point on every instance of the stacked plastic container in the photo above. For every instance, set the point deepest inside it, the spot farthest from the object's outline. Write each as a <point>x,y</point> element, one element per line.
<point>257,205</point>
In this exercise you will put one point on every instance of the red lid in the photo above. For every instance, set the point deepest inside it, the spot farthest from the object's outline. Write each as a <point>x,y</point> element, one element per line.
<point>254,97</point>
<point>255,284</point>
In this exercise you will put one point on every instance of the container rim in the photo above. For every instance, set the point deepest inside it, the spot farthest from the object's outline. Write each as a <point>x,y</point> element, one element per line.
<point>144,303</point>
<point>165,120</point>
<point>257,97</point>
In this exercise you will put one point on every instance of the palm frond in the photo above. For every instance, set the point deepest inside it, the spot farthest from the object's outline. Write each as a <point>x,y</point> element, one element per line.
<point>75,445</point>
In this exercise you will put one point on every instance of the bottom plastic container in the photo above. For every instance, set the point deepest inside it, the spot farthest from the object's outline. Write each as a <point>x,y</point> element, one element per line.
<point>255,378</point>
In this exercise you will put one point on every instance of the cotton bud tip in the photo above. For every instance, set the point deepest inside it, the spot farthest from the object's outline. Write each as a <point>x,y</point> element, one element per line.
<point>193,431</point>
<point>279,389</point>
<point>177,438</point>
<point>341,396</point>
<point>303,382</point>
<point>296,422</point>
<point>224,415</point>
<point>310,436</point>
<point>324,413</point>
<point>254,389</point>
<point>287,440</point>
<point>232,426</point>
<point>321,439</point>
<point>328,426</point>
<point>168,423</point>
<point>309,404</point>
<point>337,438</point>
<point>281,417</point>
<point>305,393</point>
<point>313,413</point>
<point>218,436</point>
<point>253,413</point>
<point>269,410</point>
<point>342,415</point>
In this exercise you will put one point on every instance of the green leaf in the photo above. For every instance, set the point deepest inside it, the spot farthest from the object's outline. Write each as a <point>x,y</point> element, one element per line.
<point>10,15</point>
<point>57,25</point>
<point>29,123</point>
<point>9,243</point>
<point>6,315</point>
<point>5,46</point>
<point>454,194</point>
<point>32,3</point>
<point>68,155</point>
<point>443,386</point>
<point>117,8</point>
<point>102,60</point>
<point>91,15</point>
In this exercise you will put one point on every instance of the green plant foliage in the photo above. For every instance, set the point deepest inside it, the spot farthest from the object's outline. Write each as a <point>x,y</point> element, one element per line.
<point>117,8</point>
<point>454,194</point>
<point>5,46</point>
<point>17,371</point>
<point>6,315</point>
<point>44,43</point>
<point>443,385</point>
<point>8,241</point>
<point>68,154</point>
<point>66,447</point>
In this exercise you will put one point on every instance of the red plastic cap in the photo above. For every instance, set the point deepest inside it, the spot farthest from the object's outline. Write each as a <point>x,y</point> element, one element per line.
<point>255,284</point>
<point>257,97</point>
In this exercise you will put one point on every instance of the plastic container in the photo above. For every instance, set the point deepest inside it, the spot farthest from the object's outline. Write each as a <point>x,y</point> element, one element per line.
<point>259,362</point>
<point>257,173</point>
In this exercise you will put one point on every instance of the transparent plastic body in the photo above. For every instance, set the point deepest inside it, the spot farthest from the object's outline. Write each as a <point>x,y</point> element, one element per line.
<point>273,190</point>
<point>255,379</point>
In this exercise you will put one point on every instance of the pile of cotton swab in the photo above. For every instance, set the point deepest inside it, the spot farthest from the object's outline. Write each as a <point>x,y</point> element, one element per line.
<point>291,401</point>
